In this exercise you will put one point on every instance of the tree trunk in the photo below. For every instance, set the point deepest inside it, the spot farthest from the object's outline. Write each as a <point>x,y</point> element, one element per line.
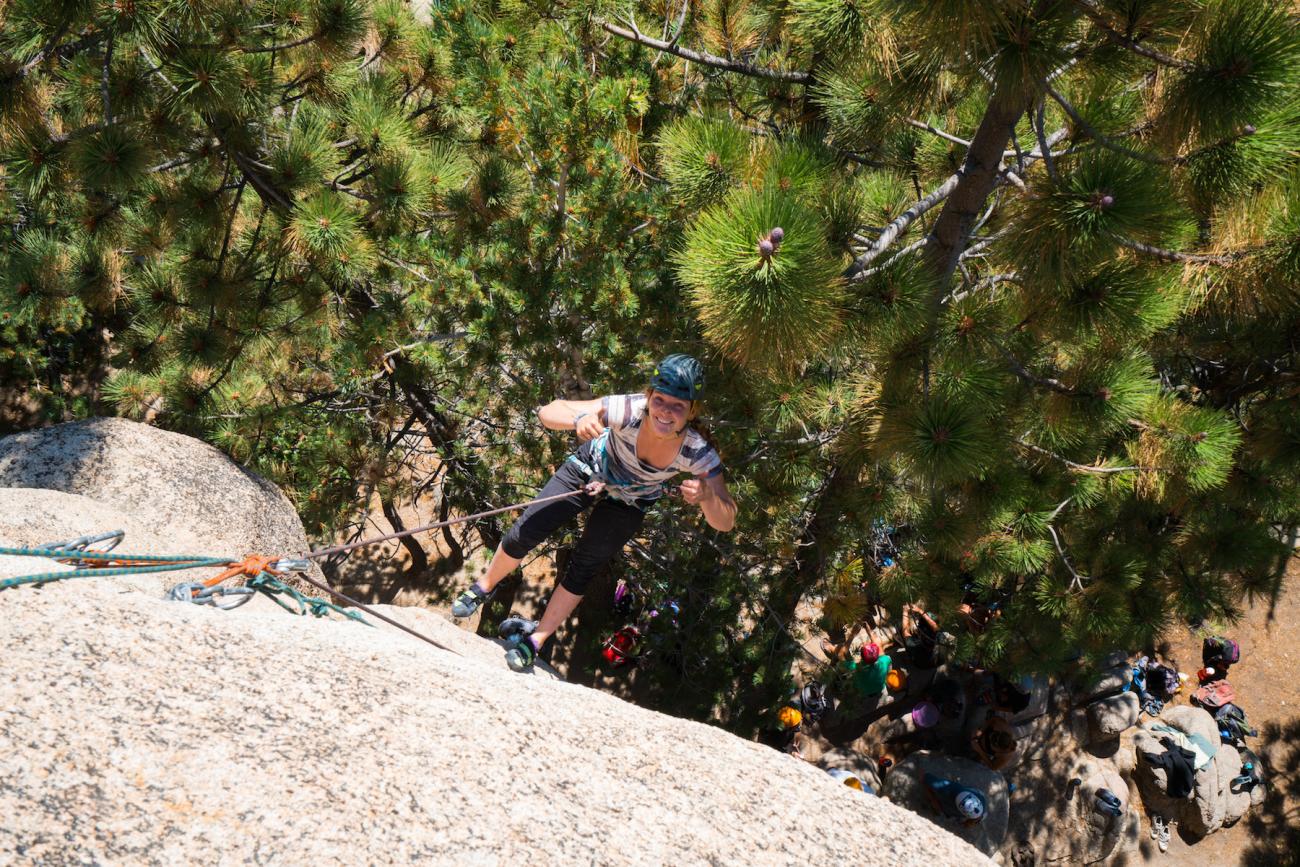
<point>815,543</point>
<point>419,560</point>
<point>979,174</point>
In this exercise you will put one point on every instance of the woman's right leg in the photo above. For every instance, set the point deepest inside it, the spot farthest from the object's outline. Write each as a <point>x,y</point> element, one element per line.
<point>533,526</point>
<point>502,565</point>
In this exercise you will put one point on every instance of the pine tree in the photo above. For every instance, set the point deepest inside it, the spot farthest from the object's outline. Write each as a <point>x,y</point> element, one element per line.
<point>999,300</point>
<point>1055,330</point>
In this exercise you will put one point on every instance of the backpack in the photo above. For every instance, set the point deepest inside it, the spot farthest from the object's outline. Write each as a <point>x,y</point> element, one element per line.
<point>812,700</point>
<point>1163,679</point>
<point>620,647</point>
<point>1214,696</point>
<point>1232,723</point>
<point>1220,651</point>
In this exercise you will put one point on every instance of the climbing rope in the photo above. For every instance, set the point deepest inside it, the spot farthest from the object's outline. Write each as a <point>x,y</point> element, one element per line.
<point>261,571</point>
<point>592,488</point>
<point>102,563</point>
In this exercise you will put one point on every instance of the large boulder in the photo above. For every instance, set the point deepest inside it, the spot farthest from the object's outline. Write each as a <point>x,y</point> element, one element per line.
<point>1110,716</point>
<point>1190,719</point>
<point>137,730</point>
<point>192,498</point>
<point>1236,803</point>
<point>904,785</point>
<point>1068,829</point>
<point>1111,681</point>
<point>1211,803</point>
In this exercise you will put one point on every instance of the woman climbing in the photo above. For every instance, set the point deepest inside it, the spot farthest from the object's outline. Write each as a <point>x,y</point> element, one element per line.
<point>632,445</point>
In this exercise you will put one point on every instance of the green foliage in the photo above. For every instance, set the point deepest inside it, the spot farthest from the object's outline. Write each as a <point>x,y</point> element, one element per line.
<point>762,309</point>
<point>1246,56</point>
<point>1080,217</point>
<point>703,159</point>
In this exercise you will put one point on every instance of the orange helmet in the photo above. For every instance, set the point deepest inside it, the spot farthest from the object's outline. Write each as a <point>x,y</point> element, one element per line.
<point>789,717</point>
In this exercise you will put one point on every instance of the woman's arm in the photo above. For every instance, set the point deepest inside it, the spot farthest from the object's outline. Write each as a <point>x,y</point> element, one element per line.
<point>587,417</point>
<point>714,500</point>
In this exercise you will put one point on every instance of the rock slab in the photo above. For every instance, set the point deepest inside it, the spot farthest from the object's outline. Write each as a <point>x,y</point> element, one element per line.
<point>190,496</point>
<point>1109,717</point>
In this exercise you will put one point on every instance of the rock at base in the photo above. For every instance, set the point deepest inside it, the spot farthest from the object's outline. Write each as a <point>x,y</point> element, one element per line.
<point>1109,717</point>
<point>904,785</point>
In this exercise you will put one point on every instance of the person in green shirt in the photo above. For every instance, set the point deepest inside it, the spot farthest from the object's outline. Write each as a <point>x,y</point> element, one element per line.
<point>868,672</point>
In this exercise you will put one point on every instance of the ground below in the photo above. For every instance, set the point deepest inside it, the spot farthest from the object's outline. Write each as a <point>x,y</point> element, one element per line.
<point>1267,681</point>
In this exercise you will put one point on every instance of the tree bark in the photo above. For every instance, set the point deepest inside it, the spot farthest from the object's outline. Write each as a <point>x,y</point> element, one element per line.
<point>978,176</point>
<point>815,544</point>
<point>419,560</point>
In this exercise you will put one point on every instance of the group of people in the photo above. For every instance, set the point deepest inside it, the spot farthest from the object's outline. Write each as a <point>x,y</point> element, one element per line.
<point>974,708</point>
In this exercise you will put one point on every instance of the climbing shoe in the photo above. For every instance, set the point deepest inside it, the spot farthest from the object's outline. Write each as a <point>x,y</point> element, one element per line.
<point>522,656</point>
<point>468,602</point>
<point>514,628</point>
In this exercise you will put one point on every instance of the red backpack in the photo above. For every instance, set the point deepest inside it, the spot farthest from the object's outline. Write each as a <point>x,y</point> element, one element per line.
<point>620,647</point>
<point>1215,695</point>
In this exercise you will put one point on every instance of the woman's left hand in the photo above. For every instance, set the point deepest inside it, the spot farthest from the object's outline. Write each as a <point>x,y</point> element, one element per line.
<point>694,491</point>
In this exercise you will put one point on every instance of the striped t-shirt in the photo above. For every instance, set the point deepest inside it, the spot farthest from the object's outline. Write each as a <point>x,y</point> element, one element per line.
<point>627,476</point>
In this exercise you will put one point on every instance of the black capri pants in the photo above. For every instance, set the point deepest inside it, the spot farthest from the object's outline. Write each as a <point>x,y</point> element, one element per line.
<point>610,525</point>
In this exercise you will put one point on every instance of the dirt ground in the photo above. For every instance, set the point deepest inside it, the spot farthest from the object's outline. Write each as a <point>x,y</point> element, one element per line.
<point>1267,681</point>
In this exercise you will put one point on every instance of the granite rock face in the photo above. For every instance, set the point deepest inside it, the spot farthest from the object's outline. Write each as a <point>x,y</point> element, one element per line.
<point>190,497</point>
<point>135,730</point>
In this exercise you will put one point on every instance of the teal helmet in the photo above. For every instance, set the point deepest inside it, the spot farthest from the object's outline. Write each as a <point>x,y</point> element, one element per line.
<point>679,376</point>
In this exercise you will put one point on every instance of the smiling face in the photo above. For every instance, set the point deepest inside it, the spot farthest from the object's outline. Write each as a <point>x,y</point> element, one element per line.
<point>668,415</point>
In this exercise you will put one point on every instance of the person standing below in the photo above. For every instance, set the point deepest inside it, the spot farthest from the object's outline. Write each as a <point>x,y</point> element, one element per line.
<point>632,445</point>
<point>869,671</point>
<point>952,800</point>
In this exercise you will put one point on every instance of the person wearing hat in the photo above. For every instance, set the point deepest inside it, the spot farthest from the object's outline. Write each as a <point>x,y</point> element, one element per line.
<point>994,745</point>
<point>955,801</point>
<point>867,672</point>
<point>632,445</point>
<point>784,734</point>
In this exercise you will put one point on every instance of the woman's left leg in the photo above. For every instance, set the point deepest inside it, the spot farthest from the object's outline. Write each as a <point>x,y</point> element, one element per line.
<point>609,526</point>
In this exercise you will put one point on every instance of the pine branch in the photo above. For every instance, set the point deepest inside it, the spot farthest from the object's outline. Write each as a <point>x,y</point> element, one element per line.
<point>1096,135</point>
<point>1077,580</point>
<point>1083,468</point>
<point>1186,258</point>
<point>108,58</point>
<point>1089,8</point>
<point>1045,381</point>
<point>635,35</point>
<point>891,232</point>
<point>920,124</point>
<point>44,52</point>
<point>283,46</point>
